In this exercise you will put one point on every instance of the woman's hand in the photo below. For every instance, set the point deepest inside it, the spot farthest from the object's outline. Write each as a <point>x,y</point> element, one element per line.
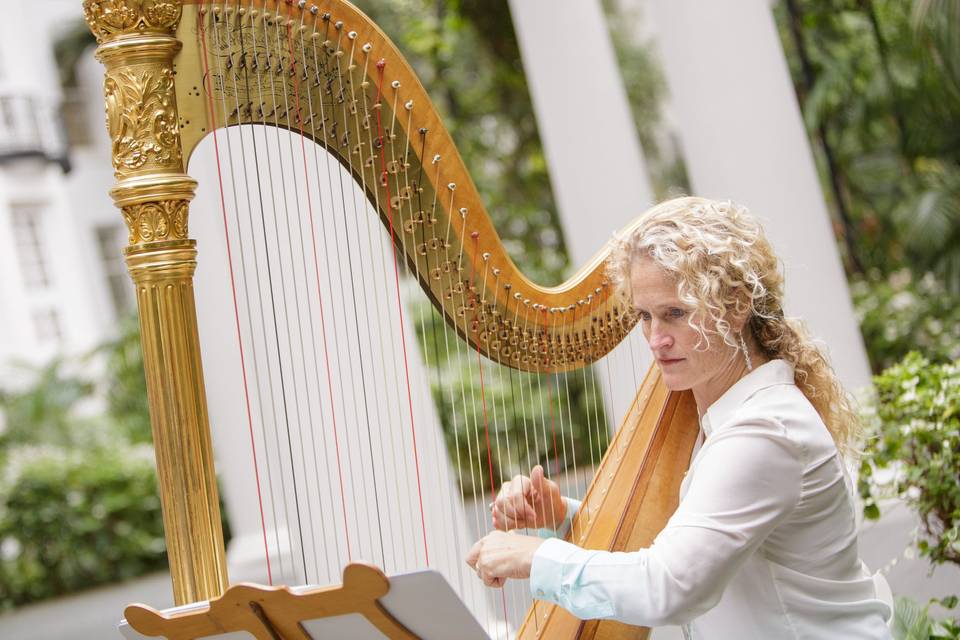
<point>498,556</point>
<point>532,502</point>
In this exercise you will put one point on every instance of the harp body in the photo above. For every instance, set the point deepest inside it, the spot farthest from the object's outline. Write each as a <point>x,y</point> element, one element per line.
<point>179,70</point>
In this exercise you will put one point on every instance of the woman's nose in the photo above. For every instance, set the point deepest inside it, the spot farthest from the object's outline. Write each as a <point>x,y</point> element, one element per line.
<point>660,340</point>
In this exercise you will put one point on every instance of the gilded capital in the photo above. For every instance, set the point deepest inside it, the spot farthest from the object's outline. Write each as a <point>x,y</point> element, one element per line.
<point>111,18</point>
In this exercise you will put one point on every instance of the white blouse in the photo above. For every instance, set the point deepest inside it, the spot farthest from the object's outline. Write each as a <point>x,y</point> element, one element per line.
<point>762,545</point>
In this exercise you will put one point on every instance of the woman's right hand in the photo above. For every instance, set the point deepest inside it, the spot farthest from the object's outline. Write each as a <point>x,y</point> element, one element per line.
<point>533,503</point>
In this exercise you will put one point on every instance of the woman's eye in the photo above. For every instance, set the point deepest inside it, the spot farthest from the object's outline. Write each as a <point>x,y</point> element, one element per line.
<point>645,316</point>
<point>676,313</point>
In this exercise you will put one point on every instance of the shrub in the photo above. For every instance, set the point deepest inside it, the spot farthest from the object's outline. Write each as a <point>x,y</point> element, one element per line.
<point>914,450</point>
<point>900,313</point>
<point>74,519</point>
<point>913,622</point>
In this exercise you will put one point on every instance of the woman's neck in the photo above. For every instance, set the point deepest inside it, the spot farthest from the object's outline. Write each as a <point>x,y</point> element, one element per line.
<point>727,375</point>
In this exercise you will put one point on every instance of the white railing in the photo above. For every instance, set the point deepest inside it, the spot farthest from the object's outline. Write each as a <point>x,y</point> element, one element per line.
<point>30,126</point>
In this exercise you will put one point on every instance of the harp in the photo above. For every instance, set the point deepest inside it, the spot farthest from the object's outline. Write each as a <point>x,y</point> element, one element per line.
<point>312,105</point>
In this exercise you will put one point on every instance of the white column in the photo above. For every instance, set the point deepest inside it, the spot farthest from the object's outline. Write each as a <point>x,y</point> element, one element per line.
<point>596,165</point>
<point>743,138</point>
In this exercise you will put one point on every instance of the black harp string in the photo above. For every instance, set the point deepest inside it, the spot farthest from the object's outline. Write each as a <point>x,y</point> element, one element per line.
<point>359,148</point>
<point>300,80</point>
<point>429,220</point>
<point>390,134</point>
<point>401,463</point>
<point>220,24</point>
<point>298,296</point>
<point>407,195</point>
<point>387,312</point>
<point>324,88</point>
<point>270,287</point>
<point>357,211</point>
<point>307,294</point>
<point>278,72</point>
<point>331,138</point>
<point>305,77</point>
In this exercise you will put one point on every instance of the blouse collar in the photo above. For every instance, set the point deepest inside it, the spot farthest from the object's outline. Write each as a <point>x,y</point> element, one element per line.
<point>766,375</point>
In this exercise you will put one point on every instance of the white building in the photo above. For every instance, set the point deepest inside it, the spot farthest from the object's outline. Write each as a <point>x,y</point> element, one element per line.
<point>62,279</point>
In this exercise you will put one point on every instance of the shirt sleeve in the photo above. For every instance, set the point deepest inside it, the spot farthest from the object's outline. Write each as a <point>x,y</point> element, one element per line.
<point>746,480</point>
<point>572,507</point>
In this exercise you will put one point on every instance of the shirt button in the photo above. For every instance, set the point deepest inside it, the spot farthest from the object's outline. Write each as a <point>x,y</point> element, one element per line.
<point>540,592</point>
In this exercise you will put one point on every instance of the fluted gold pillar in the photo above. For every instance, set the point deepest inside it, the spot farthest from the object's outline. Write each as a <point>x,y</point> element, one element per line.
<point>137,46</point>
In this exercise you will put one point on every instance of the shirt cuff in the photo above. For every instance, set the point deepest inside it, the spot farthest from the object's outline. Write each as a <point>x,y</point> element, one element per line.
<point>555,576</point>
<point>546,569</point>
<point>561,531</point>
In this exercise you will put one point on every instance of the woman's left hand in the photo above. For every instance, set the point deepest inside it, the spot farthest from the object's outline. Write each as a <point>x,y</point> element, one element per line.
<point>499,555</point>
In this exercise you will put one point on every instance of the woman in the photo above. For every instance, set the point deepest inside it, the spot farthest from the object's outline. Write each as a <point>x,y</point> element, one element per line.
<point>763,543</point>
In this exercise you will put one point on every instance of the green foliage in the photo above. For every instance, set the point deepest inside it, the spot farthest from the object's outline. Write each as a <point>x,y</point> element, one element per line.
<point>913,450</point>
<point>913,622</point>
<point>125,386</point>
<point>880,96</point>
<point>900,313</point>
<point>467,56</point>
<point>645,87</point>
<point>73,519</point>
<point>521,412</point>
<point>41,408</point>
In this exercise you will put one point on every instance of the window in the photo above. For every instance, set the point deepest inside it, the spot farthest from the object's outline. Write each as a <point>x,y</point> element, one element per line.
<point>46,325</point>
<point>111,239</point>
<point>28,237</point>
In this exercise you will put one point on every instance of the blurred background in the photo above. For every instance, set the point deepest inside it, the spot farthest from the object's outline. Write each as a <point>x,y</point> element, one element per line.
<point>832,117</point>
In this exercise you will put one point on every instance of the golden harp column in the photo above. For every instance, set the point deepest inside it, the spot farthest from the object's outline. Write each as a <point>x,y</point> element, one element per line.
<point>137,46</point>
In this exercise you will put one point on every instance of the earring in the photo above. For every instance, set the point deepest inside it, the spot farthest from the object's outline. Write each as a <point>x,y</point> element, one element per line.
<point>746,353</point>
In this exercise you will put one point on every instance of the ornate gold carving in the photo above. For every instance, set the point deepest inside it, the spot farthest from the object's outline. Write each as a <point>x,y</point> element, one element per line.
<point>155,221</point>
<point>142,118</point>
<point>110,18</point>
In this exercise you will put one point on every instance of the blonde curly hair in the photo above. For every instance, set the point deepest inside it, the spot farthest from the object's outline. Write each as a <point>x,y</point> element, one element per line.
<point>725,268</point>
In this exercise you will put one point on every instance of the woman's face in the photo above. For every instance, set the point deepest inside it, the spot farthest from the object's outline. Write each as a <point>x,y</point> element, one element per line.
<point>665,323</point>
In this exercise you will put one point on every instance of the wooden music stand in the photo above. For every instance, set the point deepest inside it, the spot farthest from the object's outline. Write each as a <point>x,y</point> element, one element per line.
<point>368,605</point>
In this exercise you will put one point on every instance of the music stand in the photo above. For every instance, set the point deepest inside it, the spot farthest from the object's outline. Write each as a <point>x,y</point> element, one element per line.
<point>367,606</point>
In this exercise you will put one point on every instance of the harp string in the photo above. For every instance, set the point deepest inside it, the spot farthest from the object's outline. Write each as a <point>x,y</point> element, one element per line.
<point>289,250</point>
<point>285,159</point>
<point>352,271</point>
<point>312,227</point>
<point>476,306</point>
<point>316,266</point>
<point>516,381</point>
<point>202,33</point>
<point>270,258</point>
<point>263,323</point>
<point>479,595</point>
<point>519,599</point>
<point>413,432</point>
<point>399,458</point>
<point>245,280</point>
<point>456,542</point>
<point>359,148</point>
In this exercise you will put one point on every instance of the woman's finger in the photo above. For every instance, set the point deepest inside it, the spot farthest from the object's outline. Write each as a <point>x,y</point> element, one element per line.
<point>506,523</point>
<point>474,554</point>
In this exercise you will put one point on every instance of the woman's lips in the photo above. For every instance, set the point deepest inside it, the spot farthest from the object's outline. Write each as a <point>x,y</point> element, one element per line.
<point>669,361</point>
